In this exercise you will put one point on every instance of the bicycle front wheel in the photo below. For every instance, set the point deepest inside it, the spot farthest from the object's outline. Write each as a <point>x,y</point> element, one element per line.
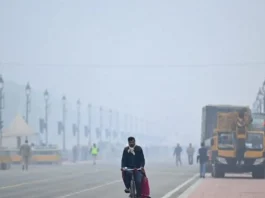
<point>133,189</point>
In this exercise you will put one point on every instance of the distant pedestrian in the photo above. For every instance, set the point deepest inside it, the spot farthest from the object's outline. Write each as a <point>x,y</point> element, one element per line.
<point>94,152</point>
<point>190,153</point>
<point>25,152</point>
<point>177,154</point>
<point>203,159</point>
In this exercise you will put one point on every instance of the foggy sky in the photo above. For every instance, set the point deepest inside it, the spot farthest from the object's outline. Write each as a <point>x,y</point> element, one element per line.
<point>161,60</point>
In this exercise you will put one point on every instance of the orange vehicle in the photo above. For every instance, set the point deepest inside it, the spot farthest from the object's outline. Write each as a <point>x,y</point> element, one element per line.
<point>15,156</point>
<point>40,155</point>
<point>44,155</point>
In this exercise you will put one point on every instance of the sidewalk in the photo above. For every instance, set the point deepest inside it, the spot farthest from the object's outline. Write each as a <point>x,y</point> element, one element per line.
<point>230,187</point>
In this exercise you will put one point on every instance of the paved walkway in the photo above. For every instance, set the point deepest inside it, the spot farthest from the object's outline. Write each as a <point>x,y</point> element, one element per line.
<point>239,187</point>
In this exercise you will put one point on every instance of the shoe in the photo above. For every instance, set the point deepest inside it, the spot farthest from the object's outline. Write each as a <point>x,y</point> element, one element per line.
<point>127,190</point>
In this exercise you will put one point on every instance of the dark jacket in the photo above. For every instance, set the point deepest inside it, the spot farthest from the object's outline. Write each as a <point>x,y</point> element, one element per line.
<point>133,161</point>
<point>203,155</point>
<point>178,151</point>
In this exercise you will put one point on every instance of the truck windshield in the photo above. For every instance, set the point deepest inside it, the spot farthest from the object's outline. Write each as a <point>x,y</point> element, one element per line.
<point>254,141</point>
<point>225,140</point>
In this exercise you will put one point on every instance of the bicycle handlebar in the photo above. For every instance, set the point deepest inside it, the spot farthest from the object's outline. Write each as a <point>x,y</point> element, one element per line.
<point>131,169</point>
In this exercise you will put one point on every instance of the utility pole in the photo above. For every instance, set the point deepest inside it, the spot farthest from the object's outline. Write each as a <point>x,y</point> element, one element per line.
<point>89,123</point>
<point>78,103</point>
<point>28,92</point>
<point>46,98</point>
<point>63,122</point>
<point>100,122</point>
<point>110,125</point>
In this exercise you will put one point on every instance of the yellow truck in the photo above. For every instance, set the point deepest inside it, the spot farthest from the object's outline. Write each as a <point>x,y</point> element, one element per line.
<point>235,146</point>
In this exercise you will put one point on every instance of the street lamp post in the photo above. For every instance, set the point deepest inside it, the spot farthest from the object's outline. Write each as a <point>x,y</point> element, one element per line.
<point>100,122</point>
<point>78,104</point>
<point>63,121</point>
<point>110,125</point>
<point>28,92</point>
<point>1,107</point>
<point>46,99</point>
<point>89,123</point>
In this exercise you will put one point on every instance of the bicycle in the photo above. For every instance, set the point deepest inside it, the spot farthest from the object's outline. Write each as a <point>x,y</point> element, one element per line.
<point>132,183</point>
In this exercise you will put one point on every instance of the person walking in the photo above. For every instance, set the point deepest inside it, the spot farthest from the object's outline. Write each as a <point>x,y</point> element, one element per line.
<point>203,159</point>
<point>94,152</point>
<point>25,153</point>
<point>190,153</point>
<point>177,154</point>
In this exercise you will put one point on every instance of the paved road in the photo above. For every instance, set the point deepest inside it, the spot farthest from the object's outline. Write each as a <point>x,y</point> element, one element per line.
<point>86,180</point>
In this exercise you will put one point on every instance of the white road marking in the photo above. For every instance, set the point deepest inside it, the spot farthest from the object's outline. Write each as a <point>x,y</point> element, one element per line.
<point>45,180</point>
<point>90,189</point>
<point>190,189</point>
<point>169,194</point>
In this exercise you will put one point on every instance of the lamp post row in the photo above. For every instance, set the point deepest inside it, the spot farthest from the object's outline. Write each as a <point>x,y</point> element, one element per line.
<point>128,120</point>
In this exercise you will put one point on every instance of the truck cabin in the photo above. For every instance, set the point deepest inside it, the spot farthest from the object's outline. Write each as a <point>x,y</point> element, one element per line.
<point>226,140</point>
<point>255,141</point>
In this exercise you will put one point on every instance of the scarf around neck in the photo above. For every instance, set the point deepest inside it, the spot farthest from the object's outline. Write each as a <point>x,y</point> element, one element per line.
<point>131,150</point>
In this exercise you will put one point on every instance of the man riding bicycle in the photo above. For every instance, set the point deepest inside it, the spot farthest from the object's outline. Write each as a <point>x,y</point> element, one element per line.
<point>132,158</point>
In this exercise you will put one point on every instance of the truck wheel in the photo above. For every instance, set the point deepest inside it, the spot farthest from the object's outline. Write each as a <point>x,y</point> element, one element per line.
<point>262,173</point>
<point>258,173</point>
<point>221,174</point>
<point>254,174</point>
<point>217,172</point>
<point>214,172</point>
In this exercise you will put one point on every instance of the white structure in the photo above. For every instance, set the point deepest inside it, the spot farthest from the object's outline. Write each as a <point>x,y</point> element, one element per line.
<point>17,133</point>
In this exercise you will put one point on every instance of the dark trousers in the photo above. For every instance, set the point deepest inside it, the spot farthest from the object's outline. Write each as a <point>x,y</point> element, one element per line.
<point>138,176</point>
<point>240,150</point>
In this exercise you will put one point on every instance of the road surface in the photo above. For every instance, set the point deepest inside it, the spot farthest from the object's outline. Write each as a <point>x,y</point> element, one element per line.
<point>86,180</point>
